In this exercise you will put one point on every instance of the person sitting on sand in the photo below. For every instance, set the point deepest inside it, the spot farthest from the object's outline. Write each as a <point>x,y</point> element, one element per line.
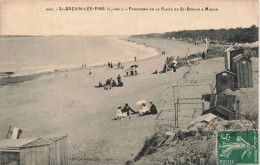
<point>136,73</point>
<point>153,109</point>
<point>99,85</point>
<point>126,110</point>
<point>174,65</point>
<point>144,110</point>
<point>108,84</point>
<point>120,84</point>
<point>114,83</point>
<point>155,72</point>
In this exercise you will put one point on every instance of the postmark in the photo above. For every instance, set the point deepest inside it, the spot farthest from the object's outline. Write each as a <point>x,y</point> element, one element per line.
<point>237,147</point>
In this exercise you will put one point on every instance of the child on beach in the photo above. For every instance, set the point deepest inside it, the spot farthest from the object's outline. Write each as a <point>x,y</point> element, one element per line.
<point>119,113</point>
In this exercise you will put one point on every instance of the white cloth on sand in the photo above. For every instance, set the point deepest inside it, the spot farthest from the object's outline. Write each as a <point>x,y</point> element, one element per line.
<point>143,110</point>
<point>119,113</point>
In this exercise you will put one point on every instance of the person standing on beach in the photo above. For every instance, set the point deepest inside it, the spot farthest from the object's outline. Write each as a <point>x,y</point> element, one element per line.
<point>66,73</point>
<point>135,58</point>
<point>119,65</point>
<point>90,71</point>
<point>118,79</point>
<point>203,55</point>
<point>111,83</point>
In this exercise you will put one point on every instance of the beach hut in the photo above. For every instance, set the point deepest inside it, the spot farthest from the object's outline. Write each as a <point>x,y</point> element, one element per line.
<point>10,150</point>
<point>227,101</point>
<point>242,67</point>
<point>32,151</point>
<point>230,54</point>
<point>221,111</point>
<point>225,80</point>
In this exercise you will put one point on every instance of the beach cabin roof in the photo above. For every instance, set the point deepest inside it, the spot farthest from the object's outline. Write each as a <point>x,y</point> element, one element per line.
<point>226,71</point>
<point>13,145</point>
<point>41,142</point>
<point>229,49</point>
<point>228,92</point>
<point>239,57</point>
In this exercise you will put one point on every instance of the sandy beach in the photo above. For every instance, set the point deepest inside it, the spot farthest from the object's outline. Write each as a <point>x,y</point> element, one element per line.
<point>55,104</point>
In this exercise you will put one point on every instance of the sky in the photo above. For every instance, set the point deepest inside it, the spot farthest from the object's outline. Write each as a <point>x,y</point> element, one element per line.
<point>30,17</point>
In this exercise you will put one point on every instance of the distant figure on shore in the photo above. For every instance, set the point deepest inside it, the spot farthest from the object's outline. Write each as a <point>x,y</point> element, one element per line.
<point>66,73</point>
<point>119,65</point>
<point>99,85</point>
<point>111,65</point>
<point>144,110</point>
<point>90,71</point>
<point>203,55</point>
<point>126,110</point>
<point>135,58</point>
<point>163,53</point>
<point>108,64</point>
<point>126,72</point>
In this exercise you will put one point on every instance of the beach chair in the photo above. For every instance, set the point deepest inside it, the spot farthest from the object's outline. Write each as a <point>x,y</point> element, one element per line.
<point>13,133</point>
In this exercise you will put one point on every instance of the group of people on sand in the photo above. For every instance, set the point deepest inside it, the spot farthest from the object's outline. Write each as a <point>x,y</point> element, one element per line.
<point>119,65</point>
<point>122,112</point>
<point>132,71</point>
<point>111,83</point>
<point>170,64</point>
<point>110,65</point>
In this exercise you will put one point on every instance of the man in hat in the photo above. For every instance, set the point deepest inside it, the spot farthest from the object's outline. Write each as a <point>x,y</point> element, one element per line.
<point>126,109</point>
<point>153,109</point>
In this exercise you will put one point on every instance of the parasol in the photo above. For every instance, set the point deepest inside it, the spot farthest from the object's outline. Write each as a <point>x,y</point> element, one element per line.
<point>140,102</point>
<point>134,66</point>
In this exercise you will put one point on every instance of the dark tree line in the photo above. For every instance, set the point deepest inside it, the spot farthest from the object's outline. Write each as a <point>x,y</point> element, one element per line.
<point>239,35</point>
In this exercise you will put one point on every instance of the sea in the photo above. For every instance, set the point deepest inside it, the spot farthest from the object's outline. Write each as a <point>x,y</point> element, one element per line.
<point>25,55</point>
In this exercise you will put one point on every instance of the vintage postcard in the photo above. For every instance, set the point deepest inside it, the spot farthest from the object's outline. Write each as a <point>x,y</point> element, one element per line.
<point>109,82</point>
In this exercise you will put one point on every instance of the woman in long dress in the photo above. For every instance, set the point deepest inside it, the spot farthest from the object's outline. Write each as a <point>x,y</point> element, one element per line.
<point>143,110</point>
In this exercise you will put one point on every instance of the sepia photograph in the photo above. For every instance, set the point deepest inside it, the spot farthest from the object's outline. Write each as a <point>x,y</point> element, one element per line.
<point>108,82</point>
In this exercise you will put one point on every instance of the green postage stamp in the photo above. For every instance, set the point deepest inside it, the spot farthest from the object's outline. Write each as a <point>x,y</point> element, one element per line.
<point>237,147</point>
